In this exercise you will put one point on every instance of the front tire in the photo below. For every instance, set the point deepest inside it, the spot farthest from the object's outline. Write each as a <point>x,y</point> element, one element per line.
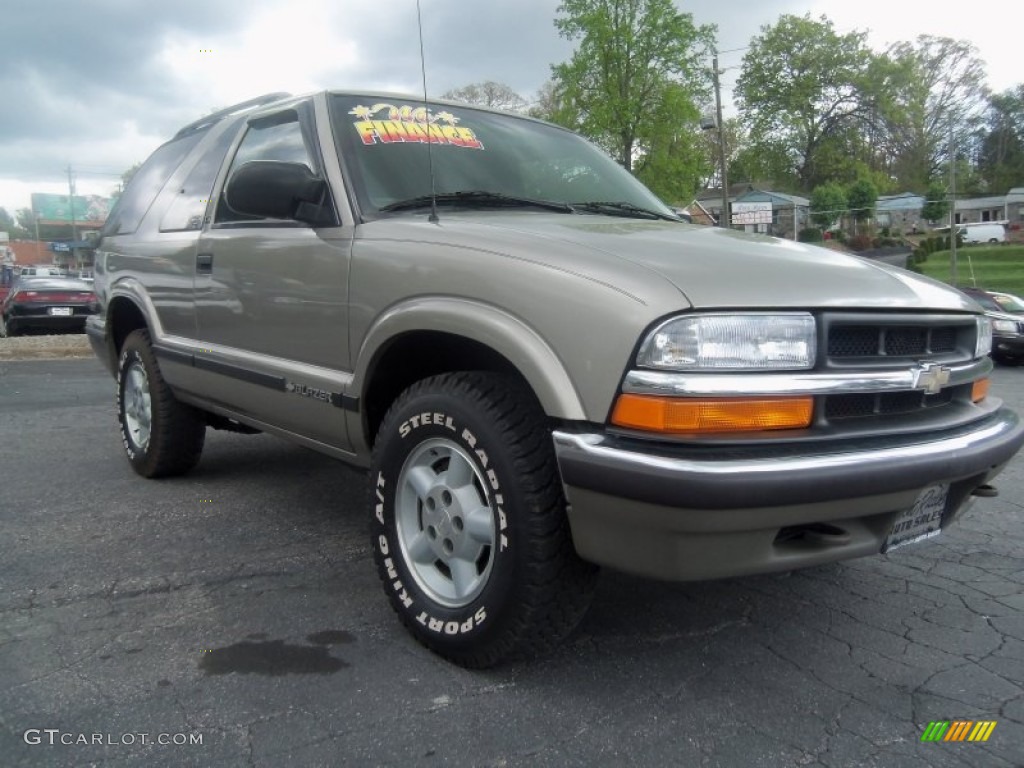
<point>162,437</point>
<point>7,329</point>
<point>470,534</point>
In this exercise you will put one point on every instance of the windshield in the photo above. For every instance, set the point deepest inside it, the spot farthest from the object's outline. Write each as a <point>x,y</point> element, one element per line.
<point>384,148</point>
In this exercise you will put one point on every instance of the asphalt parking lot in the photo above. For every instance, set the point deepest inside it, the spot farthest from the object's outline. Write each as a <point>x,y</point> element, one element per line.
<point>233,617</point>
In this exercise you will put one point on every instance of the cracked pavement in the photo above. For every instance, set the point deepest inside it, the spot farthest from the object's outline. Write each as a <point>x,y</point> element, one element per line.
<point>240,603</point>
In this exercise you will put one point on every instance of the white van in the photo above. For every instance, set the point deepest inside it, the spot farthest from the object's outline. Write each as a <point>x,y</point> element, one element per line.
<point>985,232</point>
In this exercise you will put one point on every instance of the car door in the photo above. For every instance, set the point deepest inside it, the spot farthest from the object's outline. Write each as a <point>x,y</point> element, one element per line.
<point>271,297</point>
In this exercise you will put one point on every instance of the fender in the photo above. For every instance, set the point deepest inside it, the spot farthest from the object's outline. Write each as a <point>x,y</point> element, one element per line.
<point>132,289</point>
<point>502,332</point>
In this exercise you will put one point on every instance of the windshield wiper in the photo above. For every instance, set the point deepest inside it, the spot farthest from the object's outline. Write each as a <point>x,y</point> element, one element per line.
<point>480,198</point>
<point>622,208</point>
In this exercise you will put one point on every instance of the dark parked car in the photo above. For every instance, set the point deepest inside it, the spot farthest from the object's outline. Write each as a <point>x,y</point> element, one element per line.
<point>49,303</point>
<point>1007,327</point>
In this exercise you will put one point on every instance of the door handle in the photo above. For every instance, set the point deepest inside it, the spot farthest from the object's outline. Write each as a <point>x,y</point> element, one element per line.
<point>204,264</point>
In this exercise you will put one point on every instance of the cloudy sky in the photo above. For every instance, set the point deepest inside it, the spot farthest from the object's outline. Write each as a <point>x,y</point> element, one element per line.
<point>98,85</point>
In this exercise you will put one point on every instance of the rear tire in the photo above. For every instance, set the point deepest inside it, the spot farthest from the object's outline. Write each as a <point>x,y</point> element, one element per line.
<point>162,437</point>
<point>469,528</point>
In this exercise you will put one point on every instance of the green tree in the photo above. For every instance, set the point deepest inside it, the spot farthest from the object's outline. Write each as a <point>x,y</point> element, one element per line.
<point>127,176</point>
<point>937,95</point>
<point>26,219</point>
<point>828,204</point>
<point>488,94</point>
<point>672,164</point>
<point>1001,150</point>
<point>801,84</point>
<point>634,79</point>
<point>765,161</point>
<point>735,142</point>
<point>861,198</point>
<point>12,227</point>
<point>936,204</point>
<point>551,104</point>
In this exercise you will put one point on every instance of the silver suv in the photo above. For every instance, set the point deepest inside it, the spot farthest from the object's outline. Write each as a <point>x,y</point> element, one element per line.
<point>541,366</point>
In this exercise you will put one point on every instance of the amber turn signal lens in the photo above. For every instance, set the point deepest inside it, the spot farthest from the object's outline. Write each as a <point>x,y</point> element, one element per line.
<point>689,415</point>
<point>979,391</point>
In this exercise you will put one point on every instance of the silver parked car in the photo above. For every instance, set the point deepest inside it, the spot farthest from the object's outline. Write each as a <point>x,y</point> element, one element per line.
<point>543,369</point>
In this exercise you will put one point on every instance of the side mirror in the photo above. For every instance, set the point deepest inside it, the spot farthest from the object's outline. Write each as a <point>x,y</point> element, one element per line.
<point>276,190</point>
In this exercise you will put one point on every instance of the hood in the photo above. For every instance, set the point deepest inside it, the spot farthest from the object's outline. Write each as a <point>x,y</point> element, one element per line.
<point>721,268</point>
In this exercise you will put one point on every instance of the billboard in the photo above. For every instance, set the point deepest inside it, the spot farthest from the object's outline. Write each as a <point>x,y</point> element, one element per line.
<point>752,213</point>
<point>58,208</point>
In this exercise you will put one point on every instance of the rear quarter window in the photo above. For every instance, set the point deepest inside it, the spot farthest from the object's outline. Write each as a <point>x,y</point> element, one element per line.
<point>188,209</point>
<point>147,183</point>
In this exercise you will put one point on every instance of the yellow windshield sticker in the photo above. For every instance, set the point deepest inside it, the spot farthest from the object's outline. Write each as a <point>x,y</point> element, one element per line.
<point>389,124</point>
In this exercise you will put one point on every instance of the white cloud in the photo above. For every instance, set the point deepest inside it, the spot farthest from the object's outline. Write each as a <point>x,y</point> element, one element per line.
<point>109,97</point>
<point>290,47</point>
<point>996,39</point>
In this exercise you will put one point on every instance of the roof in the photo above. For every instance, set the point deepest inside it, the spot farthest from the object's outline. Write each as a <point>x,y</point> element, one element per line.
<point>905,201</point>
<point>207,120</point>
<point>775,198</point>
<point>981,202</point>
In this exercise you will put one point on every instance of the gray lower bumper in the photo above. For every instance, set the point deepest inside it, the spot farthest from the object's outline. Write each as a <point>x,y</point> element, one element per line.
<point>722,515</point>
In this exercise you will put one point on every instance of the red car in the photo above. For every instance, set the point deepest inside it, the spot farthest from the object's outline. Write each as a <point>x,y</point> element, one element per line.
<point>47,303</point>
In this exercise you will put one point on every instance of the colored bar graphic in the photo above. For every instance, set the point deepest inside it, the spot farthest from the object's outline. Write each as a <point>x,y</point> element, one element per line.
<point>935,731</point>
<point>958,730</point>
<point>982,731</point>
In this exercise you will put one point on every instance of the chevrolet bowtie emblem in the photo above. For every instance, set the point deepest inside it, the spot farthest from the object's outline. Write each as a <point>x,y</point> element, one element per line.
<point>931,377</point>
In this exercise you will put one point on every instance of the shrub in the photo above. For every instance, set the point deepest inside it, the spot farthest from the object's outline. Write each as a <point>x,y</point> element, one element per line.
<point>860,242</point>
<point>810,235</point>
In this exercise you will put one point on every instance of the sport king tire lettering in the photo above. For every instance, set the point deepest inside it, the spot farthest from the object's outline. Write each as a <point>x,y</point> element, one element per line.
<point>406,428</point>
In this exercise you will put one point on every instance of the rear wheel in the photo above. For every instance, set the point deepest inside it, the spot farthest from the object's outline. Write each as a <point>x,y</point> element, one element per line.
<point>161,436</point>
<point>469,527</point>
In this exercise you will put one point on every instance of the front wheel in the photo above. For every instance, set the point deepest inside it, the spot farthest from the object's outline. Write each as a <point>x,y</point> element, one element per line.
<point>161,436</point>
<point>469,527</point>
<point>7,329</point>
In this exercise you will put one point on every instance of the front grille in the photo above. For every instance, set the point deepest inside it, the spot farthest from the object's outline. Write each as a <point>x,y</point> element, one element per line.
<point>850,342</point>
<point>838,407</point>
<point>895,341</point>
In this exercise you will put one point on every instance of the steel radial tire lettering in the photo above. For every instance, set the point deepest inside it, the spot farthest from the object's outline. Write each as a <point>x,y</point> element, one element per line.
<point>469,529</point>
<point>162,437</point>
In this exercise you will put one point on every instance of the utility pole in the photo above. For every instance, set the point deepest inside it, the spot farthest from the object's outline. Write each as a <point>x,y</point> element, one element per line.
<point>952,208</point>
<point>39,252</point>
<point>724,219</point>
<point>71,202</point>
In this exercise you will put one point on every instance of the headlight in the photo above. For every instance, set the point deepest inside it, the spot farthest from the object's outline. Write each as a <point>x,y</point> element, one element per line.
<point>1004,326</point>
<point>983,345</point>
<point>753,341</point>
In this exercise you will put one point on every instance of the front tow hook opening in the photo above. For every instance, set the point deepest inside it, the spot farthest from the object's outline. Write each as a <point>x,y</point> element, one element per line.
<point>985,491</point>
<point>818,534</point>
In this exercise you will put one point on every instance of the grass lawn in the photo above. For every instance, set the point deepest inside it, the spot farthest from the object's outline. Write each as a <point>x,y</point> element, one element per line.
<point>996,267</point>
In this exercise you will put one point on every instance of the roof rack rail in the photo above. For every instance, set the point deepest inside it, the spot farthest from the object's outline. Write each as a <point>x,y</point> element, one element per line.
<point>208,120</point>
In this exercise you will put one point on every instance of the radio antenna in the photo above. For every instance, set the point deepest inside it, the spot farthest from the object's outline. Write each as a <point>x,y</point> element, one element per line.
<point>426,113</point>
